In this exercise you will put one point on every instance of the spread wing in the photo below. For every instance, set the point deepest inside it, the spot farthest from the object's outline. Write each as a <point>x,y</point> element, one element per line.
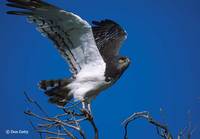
<point>108,36</point>
<point>72,35</point>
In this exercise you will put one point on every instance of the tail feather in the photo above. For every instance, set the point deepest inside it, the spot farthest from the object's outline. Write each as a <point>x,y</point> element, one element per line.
<point>57,90</point>
<point>56,100</point>
<point>48,84</point>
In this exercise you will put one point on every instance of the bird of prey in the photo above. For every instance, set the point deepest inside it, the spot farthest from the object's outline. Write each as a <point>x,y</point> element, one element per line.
<point>92,51</point>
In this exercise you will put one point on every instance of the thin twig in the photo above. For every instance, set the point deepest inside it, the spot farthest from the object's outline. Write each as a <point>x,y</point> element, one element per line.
<point>68,133</point>
<point>35,128</point>
<point>30,100</point>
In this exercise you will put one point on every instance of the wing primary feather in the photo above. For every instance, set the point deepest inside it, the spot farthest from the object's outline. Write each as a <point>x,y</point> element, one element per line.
<point>31,3</point>
<point>63,28</point>
<point>24,13</point>
<point>36,3</point>
<point>20,6</point>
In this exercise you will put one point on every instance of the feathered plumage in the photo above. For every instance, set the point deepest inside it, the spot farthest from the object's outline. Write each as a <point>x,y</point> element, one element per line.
<point>92,52</point>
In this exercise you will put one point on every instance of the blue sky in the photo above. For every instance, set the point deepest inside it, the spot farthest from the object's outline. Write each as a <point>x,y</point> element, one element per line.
<point>163,44</point>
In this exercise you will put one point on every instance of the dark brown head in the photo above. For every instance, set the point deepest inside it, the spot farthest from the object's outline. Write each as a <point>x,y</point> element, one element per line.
<point>122,64</point>
<point>116,67</point>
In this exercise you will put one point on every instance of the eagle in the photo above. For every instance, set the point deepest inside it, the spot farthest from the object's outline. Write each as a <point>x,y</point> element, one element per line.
<point>91,51</point>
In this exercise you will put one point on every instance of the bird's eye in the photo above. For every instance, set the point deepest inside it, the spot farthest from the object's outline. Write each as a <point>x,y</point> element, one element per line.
<point>121,60</point>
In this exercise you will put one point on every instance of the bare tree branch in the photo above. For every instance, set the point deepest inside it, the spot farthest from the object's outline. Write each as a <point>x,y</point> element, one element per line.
<point>162,129</point>
<point>91,120</point>
<point>66,123</point>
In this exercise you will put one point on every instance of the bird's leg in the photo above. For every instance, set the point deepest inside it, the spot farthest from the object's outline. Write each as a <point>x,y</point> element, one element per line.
<point>86,106</point>
<point>89,108</point>
<point>83,104</point>
<point>87,112</point>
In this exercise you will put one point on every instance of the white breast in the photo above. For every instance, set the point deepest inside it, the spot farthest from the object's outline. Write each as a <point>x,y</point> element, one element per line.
<point>88,81</point>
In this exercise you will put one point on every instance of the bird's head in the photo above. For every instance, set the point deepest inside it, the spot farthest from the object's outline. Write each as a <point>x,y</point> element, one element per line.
<point>123,63</point>
<point>116,68</point>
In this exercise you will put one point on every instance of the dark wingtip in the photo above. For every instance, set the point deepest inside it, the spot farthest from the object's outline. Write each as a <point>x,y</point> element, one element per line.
<point>109,20</point>
<point>19,6</point>
<point>9,4</point>
<point>103,22</point>
<point>19,13</point>
<point>14,13</point>
<point>95,22</point>
<point>11,0</point>
<point>11,12</point>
